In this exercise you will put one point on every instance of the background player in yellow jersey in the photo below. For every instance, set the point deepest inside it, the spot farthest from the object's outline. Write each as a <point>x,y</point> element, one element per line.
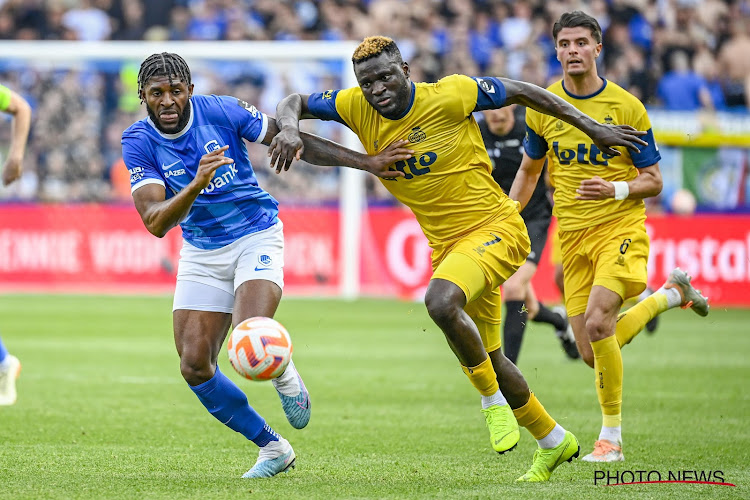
<point>15,105</point>
<point>503,130</point>
<point>601,215</point>
<point>476,233</point>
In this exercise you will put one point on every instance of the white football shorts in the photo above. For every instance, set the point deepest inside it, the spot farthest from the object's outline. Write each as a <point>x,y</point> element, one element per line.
<point>207,279</point>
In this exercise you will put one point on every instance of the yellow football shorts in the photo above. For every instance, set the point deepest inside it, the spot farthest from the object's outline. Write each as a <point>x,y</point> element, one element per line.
<point>479,263</point>
<point>613,254</point>
<point>555,254</point>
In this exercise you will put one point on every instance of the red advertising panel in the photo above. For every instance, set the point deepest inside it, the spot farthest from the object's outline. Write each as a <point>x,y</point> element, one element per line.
<point>714,249</point>
<point>105,248</point>
<point>83,248</point>
<point>311,251</point>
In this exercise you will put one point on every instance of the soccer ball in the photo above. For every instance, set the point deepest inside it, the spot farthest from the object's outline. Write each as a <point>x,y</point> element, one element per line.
<point>259,348</point>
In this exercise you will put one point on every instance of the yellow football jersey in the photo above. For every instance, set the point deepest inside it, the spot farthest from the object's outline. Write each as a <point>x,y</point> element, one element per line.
<point>573,157</point>
<point>448,184</point>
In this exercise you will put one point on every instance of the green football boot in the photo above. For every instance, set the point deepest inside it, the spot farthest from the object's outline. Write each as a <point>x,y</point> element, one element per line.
<point>501,422</point>
<point>547,460</point>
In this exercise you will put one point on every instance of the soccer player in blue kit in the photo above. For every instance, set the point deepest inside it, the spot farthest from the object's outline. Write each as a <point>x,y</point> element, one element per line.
<point>188,165</point>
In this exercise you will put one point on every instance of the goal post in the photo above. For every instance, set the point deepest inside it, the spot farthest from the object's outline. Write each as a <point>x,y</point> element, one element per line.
<point>351,185</point>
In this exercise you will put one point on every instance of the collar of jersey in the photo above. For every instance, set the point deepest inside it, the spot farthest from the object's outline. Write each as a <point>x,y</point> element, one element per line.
<point>179,134</point>
<point>601,89</point>
<point>411,102</point>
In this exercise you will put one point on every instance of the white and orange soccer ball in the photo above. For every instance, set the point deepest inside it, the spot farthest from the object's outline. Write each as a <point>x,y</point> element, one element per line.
<point>259,348</point>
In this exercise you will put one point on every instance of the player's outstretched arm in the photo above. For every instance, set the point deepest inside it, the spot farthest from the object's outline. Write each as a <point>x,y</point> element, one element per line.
<point>288,144</point>
<point>159,215</point>
<point>21,111</point>
<point>647,184</point>
<point>606,137</point>
<point>526,179</point>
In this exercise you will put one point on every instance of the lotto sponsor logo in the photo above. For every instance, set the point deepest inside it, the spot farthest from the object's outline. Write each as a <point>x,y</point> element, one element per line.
<point>582,153</point>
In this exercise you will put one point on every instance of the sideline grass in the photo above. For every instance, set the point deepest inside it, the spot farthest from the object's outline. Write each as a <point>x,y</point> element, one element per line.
<point>103,412</point>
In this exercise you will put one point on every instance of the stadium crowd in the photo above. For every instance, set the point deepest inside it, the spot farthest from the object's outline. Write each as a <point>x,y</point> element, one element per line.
<point>673,54</point>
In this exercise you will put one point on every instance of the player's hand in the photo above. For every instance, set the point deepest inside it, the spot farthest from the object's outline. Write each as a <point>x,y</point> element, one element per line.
<point>208,165</point>
<point>285,147</point>
<point>12,170</point>
<point>607,137</point>
<point>595,188</point>
<point>380,163</point>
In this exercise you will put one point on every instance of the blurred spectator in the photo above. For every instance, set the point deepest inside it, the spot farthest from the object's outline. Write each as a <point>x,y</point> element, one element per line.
<point>734,64</point>
<point>681,89</point>
<point>706,66</point>
<point>88,22</point>
<point>133,25</point>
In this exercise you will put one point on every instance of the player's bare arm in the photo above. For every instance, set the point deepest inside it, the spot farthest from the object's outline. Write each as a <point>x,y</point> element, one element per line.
<point>606,137</point>
<point>21,111</point>
<point>647,184</point>
<point>159,215</point>
<point>289,143</point>
<point>526,179</point>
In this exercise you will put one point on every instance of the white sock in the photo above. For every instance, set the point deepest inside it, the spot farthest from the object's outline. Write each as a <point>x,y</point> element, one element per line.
<point>496,399</point>
<point>274,449</point>
<point>674,298</point>
<point>288,382</point>
<point>645,294</point>
<point>554,438</point>
<point>611,434</point>
<point>5,364</point>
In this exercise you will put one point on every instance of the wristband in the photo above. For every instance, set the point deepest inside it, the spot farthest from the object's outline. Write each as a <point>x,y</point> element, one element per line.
<point>622,190</point>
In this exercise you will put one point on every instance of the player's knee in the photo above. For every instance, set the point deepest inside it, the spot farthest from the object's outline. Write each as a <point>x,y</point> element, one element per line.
<point>598,328</point>
<point>442,309</point>
<point>513,290</point>
<point>196,369</point>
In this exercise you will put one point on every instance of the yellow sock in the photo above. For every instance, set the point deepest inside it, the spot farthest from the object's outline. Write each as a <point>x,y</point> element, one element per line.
<point>608,370</point>
<point>535,418</point>
<point>632,321</point>
<point>483,377</point>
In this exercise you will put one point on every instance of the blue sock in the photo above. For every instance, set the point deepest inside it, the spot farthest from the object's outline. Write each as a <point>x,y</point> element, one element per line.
<point>3,351</point>
<point>228,404</point>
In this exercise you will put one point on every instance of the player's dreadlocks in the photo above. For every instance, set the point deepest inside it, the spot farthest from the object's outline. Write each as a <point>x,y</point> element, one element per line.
<point>164,64</point>
<point>373,46</point>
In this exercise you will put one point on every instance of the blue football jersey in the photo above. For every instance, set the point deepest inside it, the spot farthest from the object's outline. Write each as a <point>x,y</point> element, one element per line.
<point>232,205</point>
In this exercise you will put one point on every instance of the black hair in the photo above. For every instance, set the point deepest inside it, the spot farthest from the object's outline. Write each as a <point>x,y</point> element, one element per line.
<point>577,19</point>
<point>165,64</point>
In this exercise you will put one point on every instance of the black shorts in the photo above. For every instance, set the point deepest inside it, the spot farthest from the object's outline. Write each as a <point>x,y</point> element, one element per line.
<point>537,229</point>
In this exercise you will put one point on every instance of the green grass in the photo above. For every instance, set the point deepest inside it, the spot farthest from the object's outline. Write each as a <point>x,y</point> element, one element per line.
<point>103,412</point>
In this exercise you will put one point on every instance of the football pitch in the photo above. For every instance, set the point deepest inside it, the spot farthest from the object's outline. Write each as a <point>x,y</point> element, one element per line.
<point>103,412</point>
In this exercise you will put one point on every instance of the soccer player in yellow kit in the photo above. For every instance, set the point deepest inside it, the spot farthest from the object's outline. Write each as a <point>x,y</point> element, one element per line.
<point>477,235</point>
<point>601,215</point>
